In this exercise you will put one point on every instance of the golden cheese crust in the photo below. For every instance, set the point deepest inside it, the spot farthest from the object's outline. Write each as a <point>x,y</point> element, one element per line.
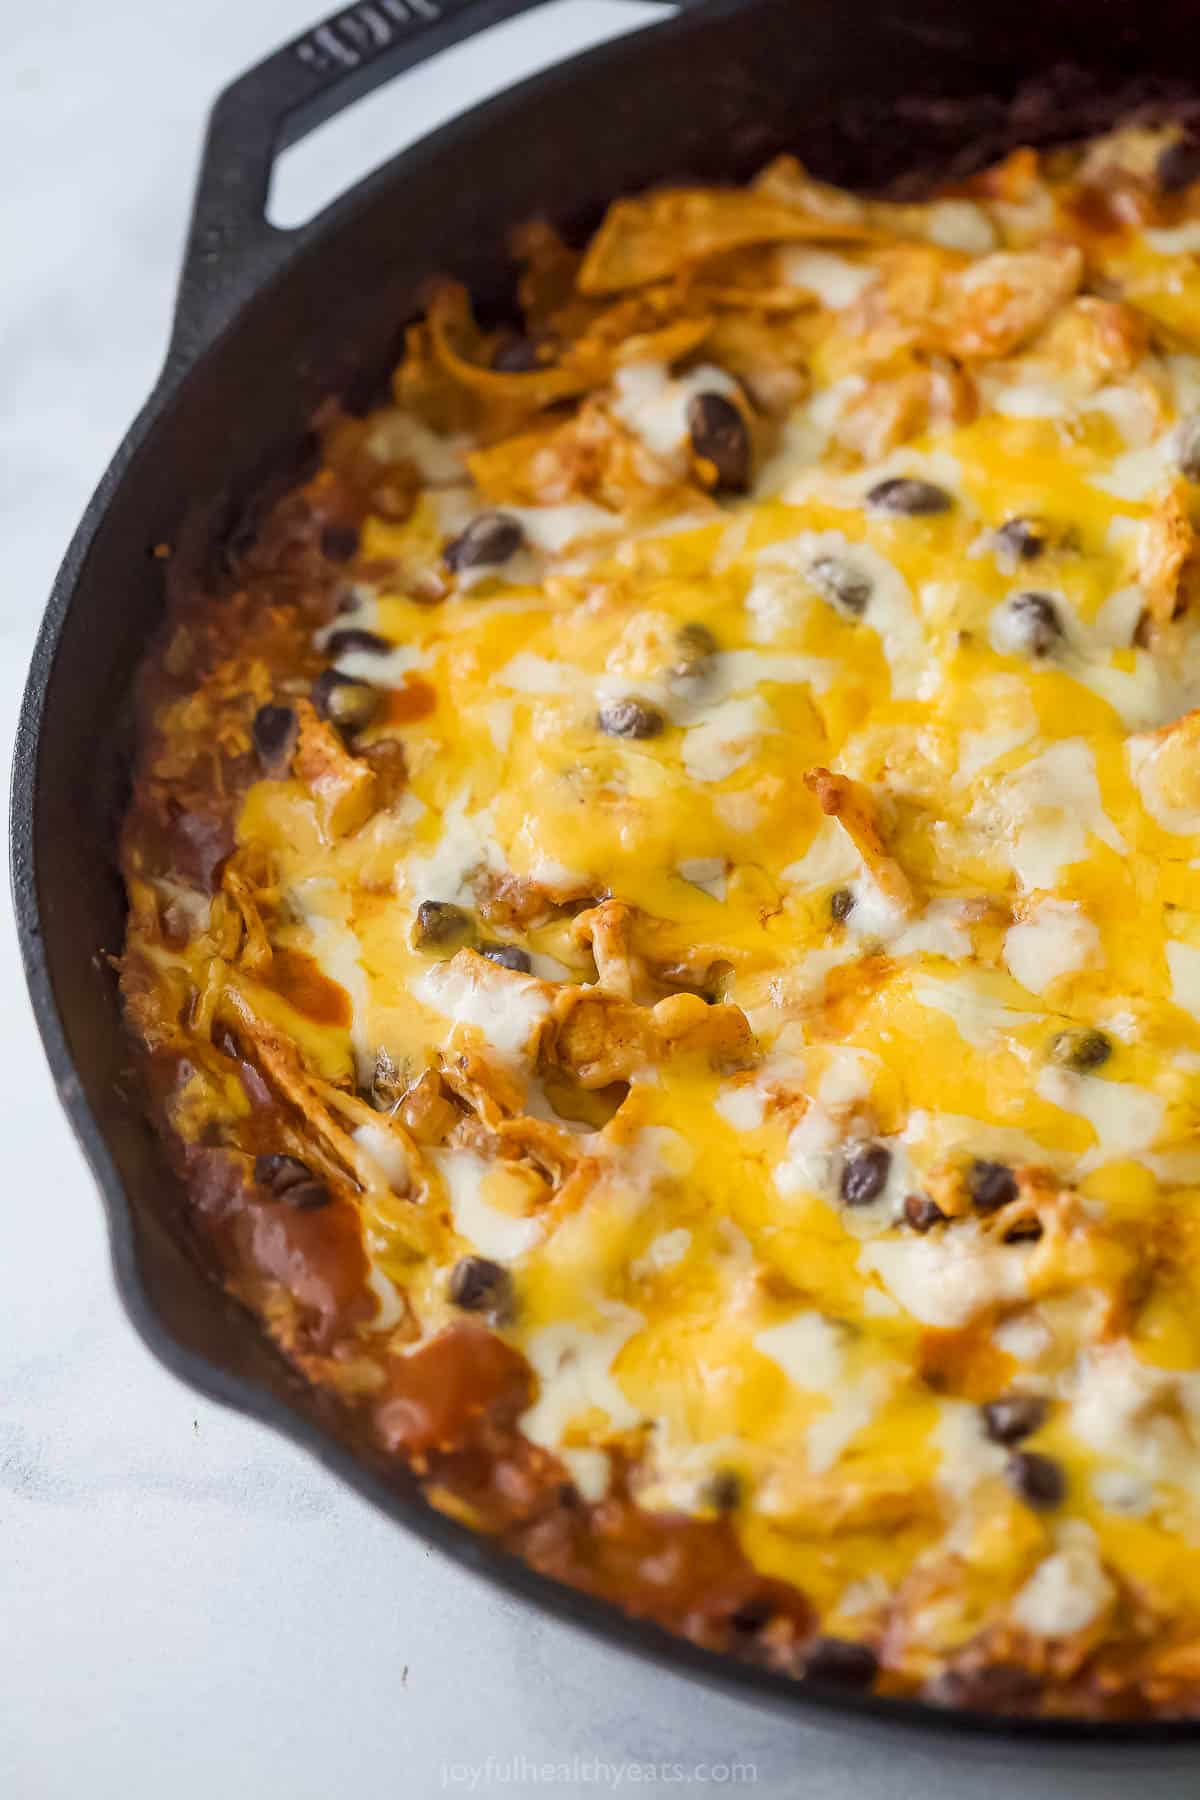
<point>664,923</point>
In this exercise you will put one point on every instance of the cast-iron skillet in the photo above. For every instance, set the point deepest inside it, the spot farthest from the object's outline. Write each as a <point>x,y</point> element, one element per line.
<point>268,323</point>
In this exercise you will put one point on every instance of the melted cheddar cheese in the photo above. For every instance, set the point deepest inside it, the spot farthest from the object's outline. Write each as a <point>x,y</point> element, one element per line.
<point>776,970</point>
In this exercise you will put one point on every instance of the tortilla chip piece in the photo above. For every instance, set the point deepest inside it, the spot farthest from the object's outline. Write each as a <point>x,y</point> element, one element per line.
<point>852,804</point>
<point>1166,549</point>
<point>658,235</point>
<point>627,332</point>
<point>1001,301</point>
<point>460,347</point>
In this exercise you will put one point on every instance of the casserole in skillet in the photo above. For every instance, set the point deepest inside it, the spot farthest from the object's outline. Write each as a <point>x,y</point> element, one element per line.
<point>663,933</point>
<point>268,325</point>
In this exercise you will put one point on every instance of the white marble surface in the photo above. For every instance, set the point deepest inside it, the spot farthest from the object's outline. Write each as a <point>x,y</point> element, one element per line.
<point>188,1606</point>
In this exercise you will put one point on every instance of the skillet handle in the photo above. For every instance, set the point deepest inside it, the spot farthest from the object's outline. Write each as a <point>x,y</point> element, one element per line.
<point>231,246</point>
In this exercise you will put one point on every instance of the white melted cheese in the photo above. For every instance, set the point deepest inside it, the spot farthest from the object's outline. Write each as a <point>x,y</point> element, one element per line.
<point>979,749</point>
<point>938,931</point>
<point>574,1371</point>
<point>387,1154</point>
<point>1183,960</point>
<point>967,1456</point>
<point>708,873</point>
<point>498,717</point>
<point>382,668</point>
<point>526,673</point>
<point>829,859</point>
<point>889,611</point>
<point>502,1236</point>
<point>944,1134</point>
<point>744,1107</point>
<point>805,437</point>
<point>1004,701</point>
<point>1126,1119</point>
<point>590,1470</point>
<point>553,528</point>
<point>1140,472</point>
<point>810,1352</point>
<point>664,1252</point>
<point>1066,1593</point>
<point>1143,697</point>
<point>834,1430</point>
<point>948,1277</point>
<point>390,1308</point>
<point>808,1349</point>
<point>464,845</point>
<point>834,280</point>
<point>811,1163</point>
<point>1143,754</point>
<point>737,671</point>
<point>959,225</point>
<point>1144,1421</point>
<point>850,490</point>
<point>1049,808</point>
<point>979,1016</point>
<point>1175,240</point>
<point>338,954</point>
<point>653,404</point>
<point>508,1010</point>
<point>1025,1337</point>
<point>399,437</point>
<point>726,739</point>
<point>1056,939</point>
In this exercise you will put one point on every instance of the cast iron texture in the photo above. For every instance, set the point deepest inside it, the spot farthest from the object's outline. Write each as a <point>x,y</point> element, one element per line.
<point>268,323</point>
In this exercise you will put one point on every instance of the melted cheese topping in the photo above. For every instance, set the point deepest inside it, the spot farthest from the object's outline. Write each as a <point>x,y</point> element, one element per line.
<point>698,1289</point>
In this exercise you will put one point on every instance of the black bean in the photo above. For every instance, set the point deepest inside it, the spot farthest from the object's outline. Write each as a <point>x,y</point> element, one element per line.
<point>905,494</point>
<point>275,731</point>
<point>479,1285</point>
<point>291,1180</point>
<point>922,1213</point>
<point>345,702</point>
<point>722,1490</point>
<point>751,1616</point>
<point>1187,447</point>
<point>695,642</point>
<point>1036,1479</point>
<point>1038,626</point>
<point>845,586</point>
<point>991,1185</point>
<point>387,1083</point>
<point>841,1662</point>
<point>488,541</point>
<point>306,1195</point>
<point>720,436</point>
<point>993,1687</point>
<point>279,1172</point>
<point>439,922</point>
<point>353,637</point>
<point>841,905</point>
<point>1081,1050</point>
<point>695,648</point>
<point>516,356</point>
<point>1013,1417</point>
<point>864,1174</point>
<point>1178,164</point>
<point>1024,538</point>
<point>630,718</point>
<point>339,542</point>
<point>509,956</point>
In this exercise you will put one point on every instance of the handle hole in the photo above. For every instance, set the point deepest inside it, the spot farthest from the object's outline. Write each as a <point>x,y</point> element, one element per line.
<point>332,158</point>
